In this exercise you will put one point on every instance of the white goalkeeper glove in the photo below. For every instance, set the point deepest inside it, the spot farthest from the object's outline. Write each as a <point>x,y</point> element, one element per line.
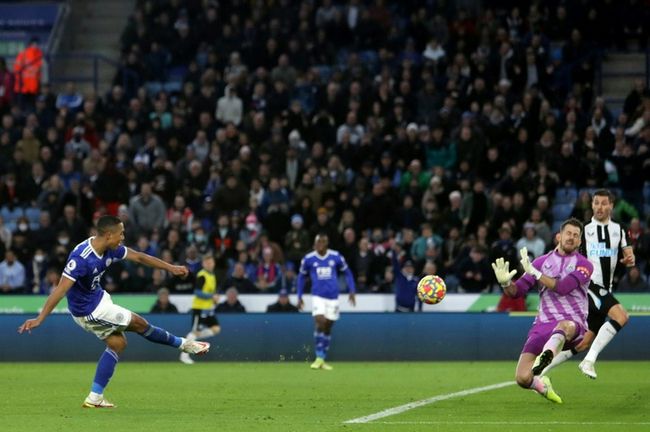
<point>502,272</point>
<point>526,264</point>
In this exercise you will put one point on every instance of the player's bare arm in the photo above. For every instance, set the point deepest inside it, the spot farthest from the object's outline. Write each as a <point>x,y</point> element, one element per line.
<point>151,261</point>
<point>628,257</point>
<point>54,298</point>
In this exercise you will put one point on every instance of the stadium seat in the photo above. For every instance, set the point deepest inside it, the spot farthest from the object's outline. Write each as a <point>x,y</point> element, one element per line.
<point>153,88</point>
<point>567,195</point>
<point>562,211</point>
<point>173,86</point>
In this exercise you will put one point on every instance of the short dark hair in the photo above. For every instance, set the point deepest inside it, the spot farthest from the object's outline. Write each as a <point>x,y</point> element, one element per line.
<point>572,221</point>
<point>605,193</point>
<point>107,223</point>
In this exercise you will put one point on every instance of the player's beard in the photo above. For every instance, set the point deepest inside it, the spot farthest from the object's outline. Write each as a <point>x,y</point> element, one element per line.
<point>569,249</point>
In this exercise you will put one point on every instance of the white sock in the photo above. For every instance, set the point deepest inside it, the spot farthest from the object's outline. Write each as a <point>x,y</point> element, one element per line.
<point>605,334</point>
<point>190,336</point>
<point>205,333</point>
<point>555,343</point>
<point>560,358</point>
<point>95,396</point>
<point>183,340</point>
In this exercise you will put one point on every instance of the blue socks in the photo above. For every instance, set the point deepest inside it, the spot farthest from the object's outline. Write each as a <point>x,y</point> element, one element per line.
<point>322,344</point>
<point>105,369</point>
<point>161,336</point>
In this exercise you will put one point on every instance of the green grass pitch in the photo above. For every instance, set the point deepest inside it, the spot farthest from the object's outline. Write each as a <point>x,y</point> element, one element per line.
<point>290,397</point>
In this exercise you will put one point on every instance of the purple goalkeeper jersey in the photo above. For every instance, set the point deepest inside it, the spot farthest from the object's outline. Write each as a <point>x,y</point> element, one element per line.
<point>568,301</point>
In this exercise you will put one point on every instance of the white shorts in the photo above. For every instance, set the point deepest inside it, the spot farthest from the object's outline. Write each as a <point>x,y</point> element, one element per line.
<point>106,319</point>
<point>327,307</point>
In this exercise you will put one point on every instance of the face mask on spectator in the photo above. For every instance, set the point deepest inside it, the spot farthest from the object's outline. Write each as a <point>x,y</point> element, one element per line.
<point>251,226</point>
<point>64,241</point>
<point>23,226</point>
<point>200,238</point>
<point>39,258</point>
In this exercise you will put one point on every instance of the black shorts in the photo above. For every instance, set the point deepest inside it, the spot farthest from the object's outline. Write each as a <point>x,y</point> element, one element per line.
<point>203,318</point>
<point>600,302</point>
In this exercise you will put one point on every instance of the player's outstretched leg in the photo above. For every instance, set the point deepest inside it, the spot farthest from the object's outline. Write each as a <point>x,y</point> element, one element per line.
<point>552,346</point>
<point>162,336</point>
<point>195,335</point>
<point>604,336</point>
<point>543,386</point>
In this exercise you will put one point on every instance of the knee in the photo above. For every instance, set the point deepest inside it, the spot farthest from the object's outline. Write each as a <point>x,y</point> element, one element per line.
<point>524,379</point>
<point>118,345</point>
<point>138,324</point>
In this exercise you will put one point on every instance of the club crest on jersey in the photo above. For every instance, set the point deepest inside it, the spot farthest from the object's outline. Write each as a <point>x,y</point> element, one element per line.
<point>330,263</point>
<point>71,265</point>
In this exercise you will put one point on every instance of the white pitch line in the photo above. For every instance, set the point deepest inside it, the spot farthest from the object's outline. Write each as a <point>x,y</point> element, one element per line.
<point>411,405</point>
<point>514,423</point>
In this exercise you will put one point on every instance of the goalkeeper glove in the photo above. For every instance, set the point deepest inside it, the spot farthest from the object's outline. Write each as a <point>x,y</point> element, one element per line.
<point>502,272</point>
<point>526,264</point>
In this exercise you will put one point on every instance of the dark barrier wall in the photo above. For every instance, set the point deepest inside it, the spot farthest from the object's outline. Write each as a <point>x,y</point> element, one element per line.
<point>273,337</point>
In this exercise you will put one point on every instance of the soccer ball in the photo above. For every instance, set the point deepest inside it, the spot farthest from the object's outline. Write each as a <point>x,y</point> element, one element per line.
<point>431,289</point>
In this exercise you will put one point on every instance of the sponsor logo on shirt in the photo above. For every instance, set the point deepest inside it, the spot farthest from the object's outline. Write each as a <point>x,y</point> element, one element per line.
<point>324,273</point>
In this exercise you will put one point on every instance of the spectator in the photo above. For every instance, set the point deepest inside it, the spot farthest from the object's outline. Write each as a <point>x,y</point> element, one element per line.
<point>239,279</point>
<point>163,305</point>
<point>297,242</point>
<point>268,273</point>
<point>27,70</point>
<point>474,271</point>
<point>231,304</point>
<point>283,304</point>
<point>531,241</point>
<point>229,107</point>
<point>633,281</point>
<point>12,274</point>
<point>147,210</point>
<point>70,98</point>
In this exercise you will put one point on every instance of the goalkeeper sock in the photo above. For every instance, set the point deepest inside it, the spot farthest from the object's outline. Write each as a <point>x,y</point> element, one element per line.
<point>104,372</point>
<point>161,336</point>
<point>319,344</point>
<point>604,336</point>
<point>538,385</point>
<point>555,342</point>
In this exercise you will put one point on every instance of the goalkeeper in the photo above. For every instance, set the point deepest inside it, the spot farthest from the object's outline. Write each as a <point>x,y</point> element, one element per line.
<point>562,277</point>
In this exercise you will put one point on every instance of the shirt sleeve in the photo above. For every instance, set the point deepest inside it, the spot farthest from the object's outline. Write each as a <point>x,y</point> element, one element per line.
<point>75,268</point>
<point>119,253</point>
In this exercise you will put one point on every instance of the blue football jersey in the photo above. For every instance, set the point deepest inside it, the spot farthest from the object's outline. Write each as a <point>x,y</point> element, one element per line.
<point>85,267</point>
<point>324,273</point>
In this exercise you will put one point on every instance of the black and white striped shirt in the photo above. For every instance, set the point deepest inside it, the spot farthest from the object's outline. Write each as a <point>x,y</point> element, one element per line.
<point>601,244</point>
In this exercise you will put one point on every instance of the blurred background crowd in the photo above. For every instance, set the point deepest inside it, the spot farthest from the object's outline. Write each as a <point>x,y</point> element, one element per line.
<point>447,134</point>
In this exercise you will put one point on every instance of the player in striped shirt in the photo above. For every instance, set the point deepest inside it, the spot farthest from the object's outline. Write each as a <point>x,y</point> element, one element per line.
<point>562,277</point>
<point>603,241</point>
<point>323,267</point>
<point>91,307</point>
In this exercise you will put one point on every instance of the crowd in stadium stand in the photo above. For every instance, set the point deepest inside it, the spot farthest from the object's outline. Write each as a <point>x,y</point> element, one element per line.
<point>246,129</point>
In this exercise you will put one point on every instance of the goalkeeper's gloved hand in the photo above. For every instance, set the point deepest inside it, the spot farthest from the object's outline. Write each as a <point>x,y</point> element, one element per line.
<point>526,264</point>
<point>502,272</point>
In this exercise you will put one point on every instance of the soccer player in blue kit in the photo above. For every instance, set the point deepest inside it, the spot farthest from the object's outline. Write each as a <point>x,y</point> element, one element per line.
<point>91,307</point>
<point>323,266</point>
